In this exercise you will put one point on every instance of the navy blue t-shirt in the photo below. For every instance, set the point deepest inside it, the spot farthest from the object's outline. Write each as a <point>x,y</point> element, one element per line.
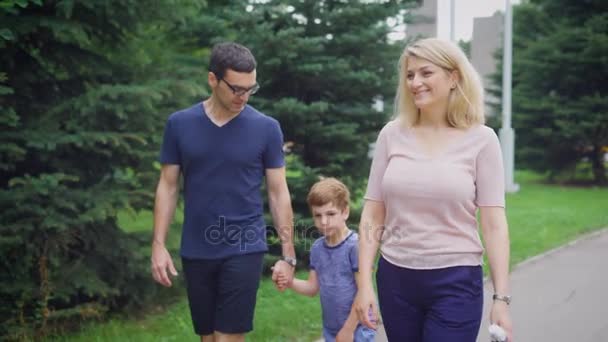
<point>223,168</point>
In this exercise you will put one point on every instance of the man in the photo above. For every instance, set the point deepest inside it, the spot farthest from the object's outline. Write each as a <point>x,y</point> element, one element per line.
<point>224,148</point>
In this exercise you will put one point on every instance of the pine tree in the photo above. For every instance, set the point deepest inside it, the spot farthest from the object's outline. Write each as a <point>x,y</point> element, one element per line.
<point>560,100</point>
<point>84,90</point>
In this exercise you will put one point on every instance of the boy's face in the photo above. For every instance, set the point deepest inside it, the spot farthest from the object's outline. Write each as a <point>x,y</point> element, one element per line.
<point>329,219</point>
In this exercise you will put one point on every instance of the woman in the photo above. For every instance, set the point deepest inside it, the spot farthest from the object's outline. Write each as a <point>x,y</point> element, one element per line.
<point>434,166</point>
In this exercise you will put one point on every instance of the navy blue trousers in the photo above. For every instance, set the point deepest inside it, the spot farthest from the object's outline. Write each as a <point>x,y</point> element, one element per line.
<point>438,305</point>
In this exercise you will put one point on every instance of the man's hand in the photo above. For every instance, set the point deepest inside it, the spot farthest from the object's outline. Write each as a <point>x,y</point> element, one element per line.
<point>282,275</point>
<point>279,279</point>
<point>161,262</point>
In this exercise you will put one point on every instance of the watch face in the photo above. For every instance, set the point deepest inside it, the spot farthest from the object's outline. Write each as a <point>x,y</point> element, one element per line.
<point>290,260</point>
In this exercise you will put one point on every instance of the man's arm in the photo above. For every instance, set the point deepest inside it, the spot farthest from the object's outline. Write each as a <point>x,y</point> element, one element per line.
<point>165,202</point>
<point>282,216</point>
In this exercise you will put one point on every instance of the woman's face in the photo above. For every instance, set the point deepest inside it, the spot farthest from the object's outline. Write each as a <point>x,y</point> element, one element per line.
<point>429,84</point>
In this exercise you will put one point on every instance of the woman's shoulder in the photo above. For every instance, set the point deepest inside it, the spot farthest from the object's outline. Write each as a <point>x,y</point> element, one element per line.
<point>483,131</point>
<point>392,127</point>
<point>481,136</point>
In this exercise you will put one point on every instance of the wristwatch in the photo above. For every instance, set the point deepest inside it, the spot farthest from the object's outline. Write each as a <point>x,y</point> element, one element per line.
<point>290,260</point>
<point>506,299</point>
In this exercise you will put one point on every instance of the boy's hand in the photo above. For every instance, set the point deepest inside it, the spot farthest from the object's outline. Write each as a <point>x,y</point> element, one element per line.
<point>282,277</point>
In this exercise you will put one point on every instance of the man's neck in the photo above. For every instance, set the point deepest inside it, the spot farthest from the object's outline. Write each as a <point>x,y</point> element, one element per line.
<point>217,112</point>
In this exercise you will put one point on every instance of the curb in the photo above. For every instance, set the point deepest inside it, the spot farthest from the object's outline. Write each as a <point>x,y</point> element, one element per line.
<point>535,259</point>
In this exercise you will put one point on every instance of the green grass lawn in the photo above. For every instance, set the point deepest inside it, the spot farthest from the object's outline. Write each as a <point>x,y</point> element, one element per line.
<point>279,317</point>
<point>541,217</point>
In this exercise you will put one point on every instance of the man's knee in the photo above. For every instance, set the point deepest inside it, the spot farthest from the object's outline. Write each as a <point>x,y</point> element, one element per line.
<point>221,337</point>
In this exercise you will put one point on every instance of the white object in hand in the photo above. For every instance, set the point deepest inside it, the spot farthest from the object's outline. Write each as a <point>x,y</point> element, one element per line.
<point>497,334</point>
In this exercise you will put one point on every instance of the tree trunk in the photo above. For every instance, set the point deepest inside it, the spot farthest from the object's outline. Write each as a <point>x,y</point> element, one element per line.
<point>597,164</point>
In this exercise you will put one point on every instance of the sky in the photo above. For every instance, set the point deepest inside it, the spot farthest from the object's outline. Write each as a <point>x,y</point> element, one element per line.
<point>466,10</point>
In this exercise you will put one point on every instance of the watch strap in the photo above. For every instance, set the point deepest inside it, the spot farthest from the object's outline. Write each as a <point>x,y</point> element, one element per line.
<point>290,260</point>
<point>506,299</point>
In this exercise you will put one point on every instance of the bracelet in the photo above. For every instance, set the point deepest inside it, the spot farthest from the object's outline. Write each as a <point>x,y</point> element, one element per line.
<point>506,299</point>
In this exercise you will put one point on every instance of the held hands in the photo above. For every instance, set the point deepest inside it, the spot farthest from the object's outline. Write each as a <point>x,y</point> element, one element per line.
<point>500,316</point>
<point>161,262</point>
<point>345,335</point>
<point>366,308</point>
<point>282,275</point>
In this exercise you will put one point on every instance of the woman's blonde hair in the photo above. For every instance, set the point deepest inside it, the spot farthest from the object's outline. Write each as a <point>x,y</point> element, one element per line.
<point>465,105</point>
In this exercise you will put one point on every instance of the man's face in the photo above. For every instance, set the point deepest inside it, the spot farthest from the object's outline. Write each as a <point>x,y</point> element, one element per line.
<point>233,90</point>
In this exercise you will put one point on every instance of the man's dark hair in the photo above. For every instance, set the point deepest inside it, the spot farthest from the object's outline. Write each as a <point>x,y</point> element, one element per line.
<point>233,56</point>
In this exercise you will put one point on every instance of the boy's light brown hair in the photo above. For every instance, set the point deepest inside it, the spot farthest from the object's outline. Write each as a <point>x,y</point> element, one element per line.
<point>329,190</point>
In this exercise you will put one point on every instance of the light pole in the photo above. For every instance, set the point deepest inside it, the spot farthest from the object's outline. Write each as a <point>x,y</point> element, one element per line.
<point>506,133</point>
<point>453,20</point>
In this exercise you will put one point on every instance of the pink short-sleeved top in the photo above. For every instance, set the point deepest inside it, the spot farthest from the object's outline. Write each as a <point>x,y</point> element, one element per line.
<point>431,201</point>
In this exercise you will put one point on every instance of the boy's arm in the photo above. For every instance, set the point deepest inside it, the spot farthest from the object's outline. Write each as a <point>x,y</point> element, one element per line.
<point>348,329</point>
<point>309,287</point>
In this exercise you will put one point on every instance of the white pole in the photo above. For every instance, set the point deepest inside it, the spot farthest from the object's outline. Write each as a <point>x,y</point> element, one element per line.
<point>506,133</point>
<point>452,20</point>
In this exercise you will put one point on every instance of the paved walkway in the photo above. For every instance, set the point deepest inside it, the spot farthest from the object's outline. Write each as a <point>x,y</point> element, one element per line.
<point>562,295</point>
<point>559,296</point>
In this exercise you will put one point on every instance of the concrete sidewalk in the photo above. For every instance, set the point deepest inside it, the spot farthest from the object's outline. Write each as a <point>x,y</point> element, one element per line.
<point>561,295</point>
<point>558,296</point>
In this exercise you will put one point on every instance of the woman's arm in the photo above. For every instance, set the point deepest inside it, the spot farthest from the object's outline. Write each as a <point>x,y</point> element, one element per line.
<point>496,240</point>
<point>370,232</point>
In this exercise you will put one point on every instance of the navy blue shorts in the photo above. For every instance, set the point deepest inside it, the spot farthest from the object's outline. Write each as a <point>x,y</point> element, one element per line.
<point>222,292</point>
<point>430,305</point>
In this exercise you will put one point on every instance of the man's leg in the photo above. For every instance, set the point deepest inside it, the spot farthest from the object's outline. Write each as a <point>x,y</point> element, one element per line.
<point>239,280</point>
<point>201,285</point>
<point>221,337</point>
<point>208,338</point>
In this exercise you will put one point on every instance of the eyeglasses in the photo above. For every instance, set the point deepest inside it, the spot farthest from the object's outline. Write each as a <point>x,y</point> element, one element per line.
<point>240,91</point>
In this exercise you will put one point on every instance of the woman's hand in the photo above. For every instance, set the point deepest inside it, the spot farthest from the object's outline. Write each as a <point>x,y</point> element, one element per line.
<point>366,307</point>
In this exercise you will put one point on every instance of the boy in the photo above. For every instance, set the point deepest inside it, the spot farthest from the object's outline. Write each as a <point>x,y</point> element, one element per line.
<point>333,263</point>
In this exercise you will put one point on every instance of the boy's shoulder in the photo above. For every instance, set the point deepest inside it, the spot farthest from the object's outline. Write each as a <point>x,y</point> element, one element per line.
<point>319,243</point>
<point>354,236</point>
<point>351,239</point>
